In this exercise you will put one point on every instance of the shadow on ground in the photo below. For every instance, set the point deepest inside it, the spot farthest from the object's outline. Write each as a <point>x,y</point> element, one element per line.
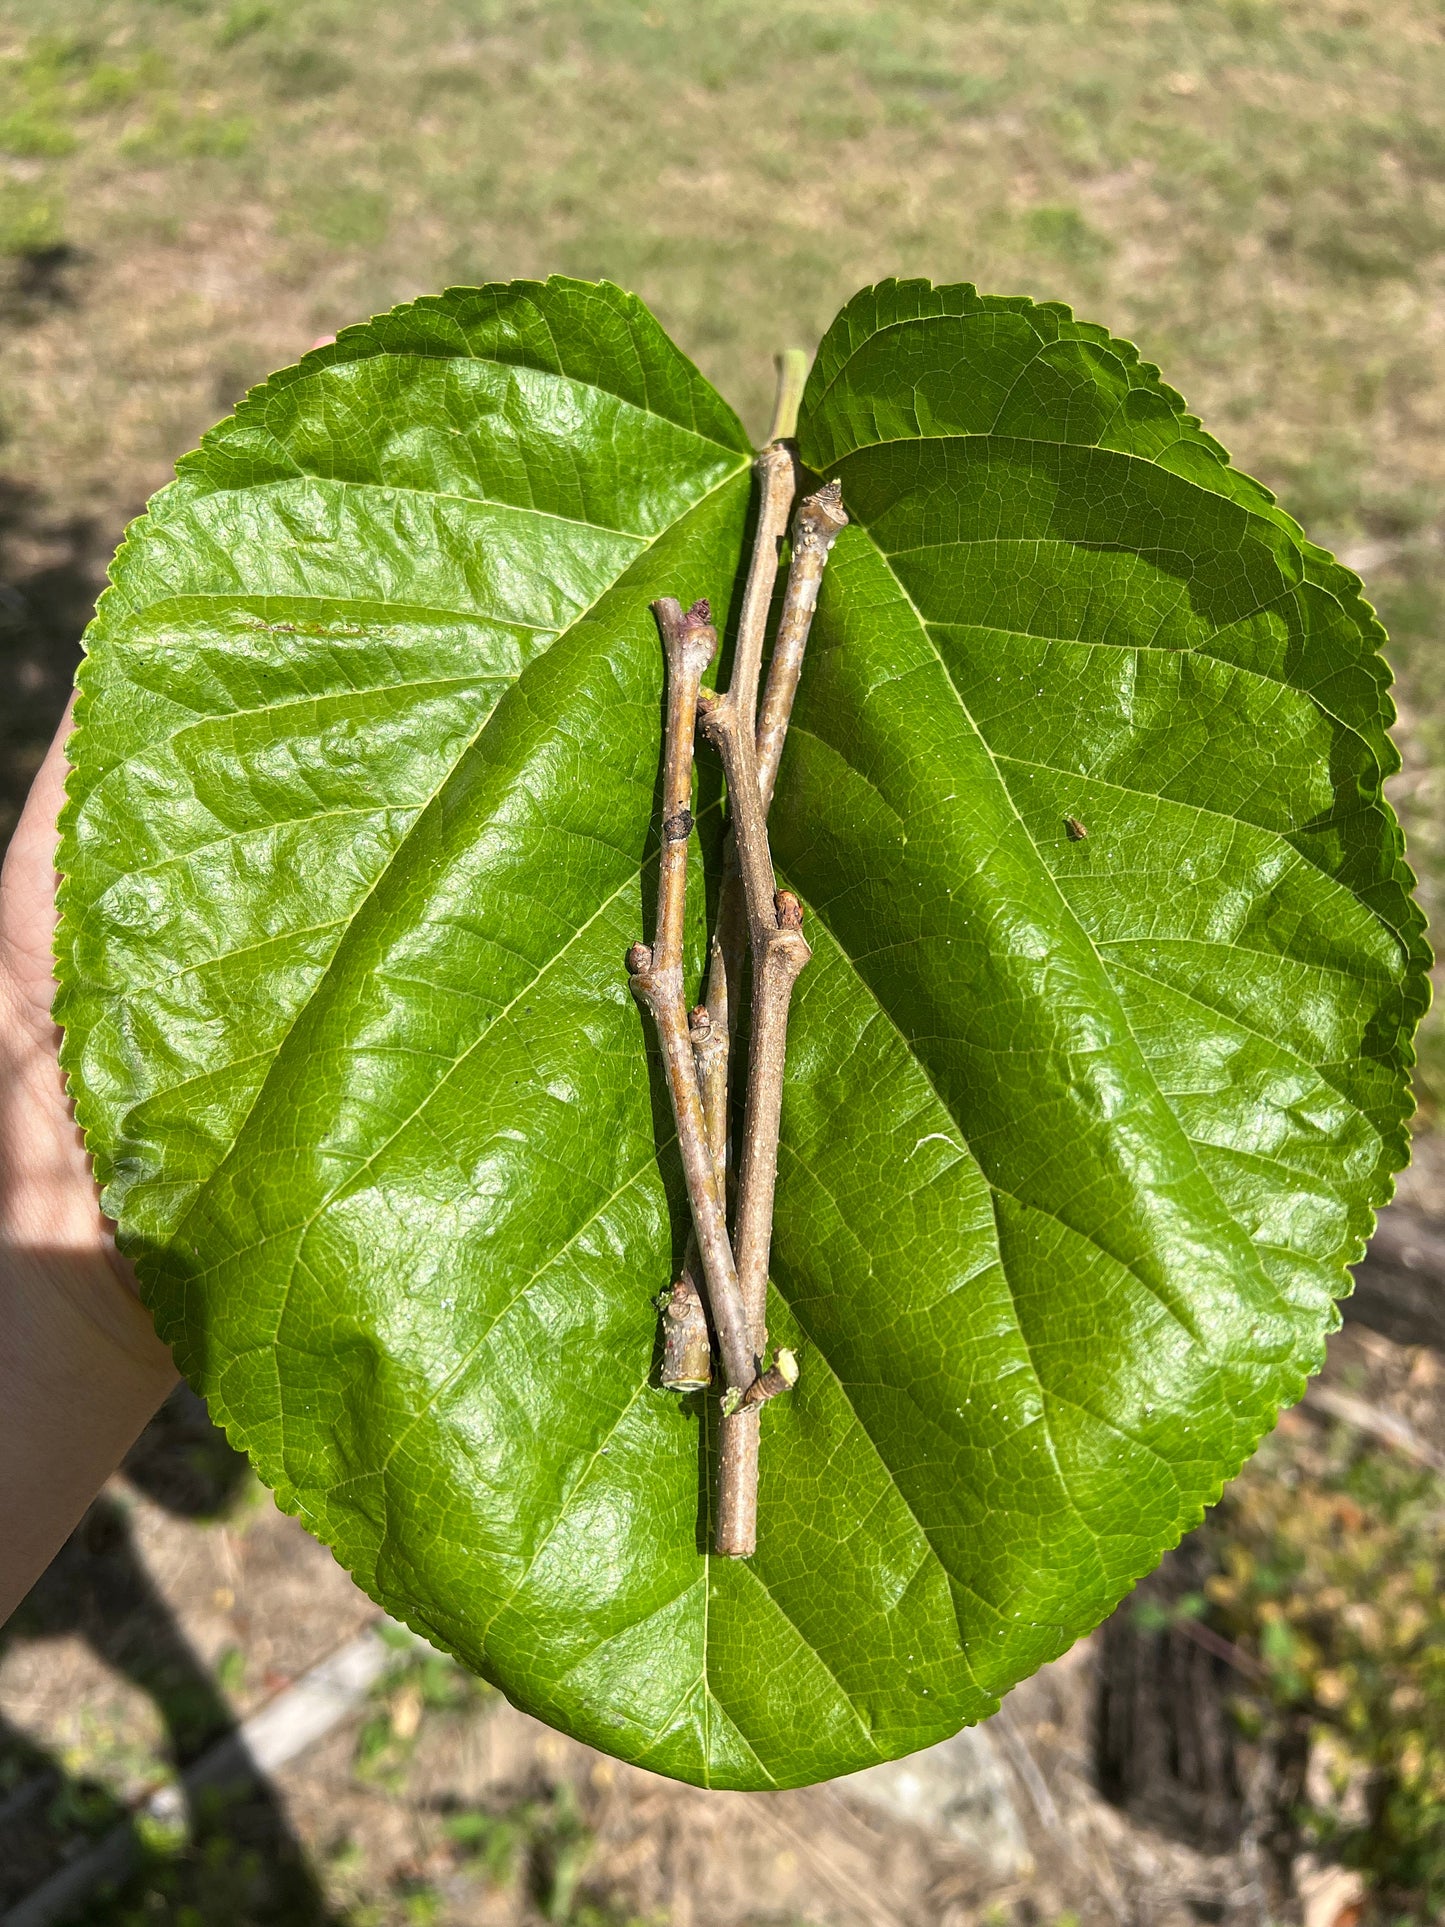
<point>52,567</point>
<point>240,1861</point>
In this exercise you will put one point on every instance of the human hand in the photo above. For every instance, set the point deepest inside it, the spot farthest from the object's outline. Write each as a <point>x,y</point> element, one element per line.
<point>81,1369</point>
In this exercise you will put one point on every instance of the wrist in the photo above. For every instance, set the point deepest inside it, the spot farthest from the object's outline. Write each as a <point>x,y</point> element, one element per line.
<point>81,1368</point>
<point>81,1371</point>
<point>55,1245</point>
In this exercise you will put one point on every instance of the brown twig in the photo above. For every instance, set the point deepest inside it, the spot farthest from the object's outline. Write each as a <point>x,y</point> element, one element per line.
<point>709,1032</point>
<point>780,1376</point>
<point>1221,1648</point>
<point>816,527</point>
<point>687,1343</point>
<point>776,469</point>
<point>773,924</point>
<point>1388,1427</point>
<point>779,953</point>
<point>819,522</point>
<point>689,642</point>
<point>777,472</point>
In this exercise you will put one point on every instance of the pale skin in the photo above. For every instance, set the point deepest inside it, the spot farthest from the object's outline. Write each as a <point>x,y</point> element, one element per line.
<point>81,1368</point>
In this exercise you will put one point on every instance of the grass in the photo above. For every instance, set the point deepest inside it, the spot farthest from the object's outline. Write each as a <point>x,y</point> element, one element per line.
<point>1257,191</point>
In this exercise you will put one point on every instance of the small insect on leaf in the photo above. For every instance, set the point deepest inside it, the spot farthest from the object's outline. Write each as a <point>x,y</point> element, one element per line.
<point>1075,828</point>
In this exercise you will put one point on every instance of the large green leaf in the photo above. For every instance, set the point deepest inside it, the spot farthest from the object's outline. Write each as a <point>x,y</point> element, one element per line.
<point>1079,1135</point>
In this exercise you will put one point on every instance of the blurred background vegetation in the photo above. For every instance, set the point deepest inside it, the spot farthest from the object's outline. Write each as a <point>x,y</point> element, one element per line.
<point>1254,190</point>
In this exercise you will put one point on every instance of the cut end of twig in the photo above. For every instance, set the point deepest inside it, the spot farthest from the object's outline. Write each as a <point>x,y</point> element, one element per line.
<point>781,1376</point>
<point>639,960</point>
<point>699,1023</point>
<point>687,634</point>
<point>789,910</point>
<point>686,1345</point>
<point>821,518</point>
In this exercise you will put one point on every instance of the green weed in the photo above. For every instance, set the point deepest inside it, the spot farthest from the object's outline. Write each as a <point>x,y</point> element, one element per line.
<point>174,132</point>
<point>1064,231</point>
<point>1332,1574</point>
<point>346,217</point>
<point>230,1670</point>
<point>31,131</point>
<point>302,72</point>
<point>543,1843</point>
<point>242,21</point>
<point>424,1683</point>
<point>31,221</point>
<point>421,1904</point>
